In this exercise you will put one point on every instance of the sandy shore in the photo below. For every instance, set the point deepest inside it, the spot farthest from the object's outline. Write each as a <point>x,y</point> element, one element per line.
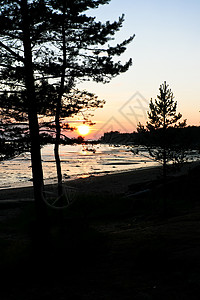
<point>110,183</point>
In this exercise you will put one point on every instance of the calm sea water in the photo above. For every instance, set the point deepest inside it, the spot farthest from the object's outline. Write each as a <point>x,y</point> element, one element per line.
<point>77,161</point>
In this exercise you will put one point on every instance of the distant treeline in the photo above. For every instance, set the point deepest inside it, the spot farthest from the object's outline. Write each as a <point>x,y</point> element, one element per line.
<point>189,135</point>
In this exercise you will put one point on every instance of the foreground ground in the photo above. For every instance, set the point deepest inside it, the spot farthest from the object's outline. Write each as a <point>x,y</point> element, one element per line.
<point>139,242</point>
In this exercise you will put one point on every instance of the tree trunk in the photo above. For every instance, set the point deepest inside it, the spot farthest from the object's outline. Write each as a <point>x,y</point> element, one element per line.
<point>164,145</point>
<point>164,164</point>
<point>56,151</point>
<point>58,109</point>
<point>37,171</point>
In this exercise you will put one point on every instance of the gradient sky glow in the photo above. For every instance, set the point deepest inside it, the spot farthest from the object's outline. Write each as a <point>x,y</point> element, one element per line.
<point>166,48</point>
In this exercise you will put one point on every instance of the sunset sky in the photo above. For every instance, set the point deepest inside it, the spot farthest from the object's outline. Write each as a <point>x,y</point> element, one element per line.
<point>166,48</point>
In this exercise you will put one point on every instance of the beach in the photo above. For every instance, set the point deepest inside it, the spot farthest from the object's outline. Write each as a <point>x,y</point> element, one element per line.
<point>116,183</point>
<point>76,162</point>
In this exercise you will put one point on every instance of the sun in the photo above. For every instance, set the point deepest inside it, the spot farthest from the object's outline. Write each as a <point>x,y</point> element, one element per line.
<point>83,129</point>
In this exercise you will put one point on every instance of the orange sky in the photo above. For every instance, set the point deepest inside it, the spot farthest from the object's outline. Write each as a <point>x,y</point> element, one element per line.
<point>166,48</point>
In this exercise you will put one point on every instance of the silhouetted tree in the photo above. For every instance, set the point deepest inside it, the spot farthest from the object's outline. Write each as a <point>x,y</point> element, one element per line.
<point>75,102</point>
<point>45,43</point>
<point>84,56</point>
<point>17,73</point>
<point>162,115</point>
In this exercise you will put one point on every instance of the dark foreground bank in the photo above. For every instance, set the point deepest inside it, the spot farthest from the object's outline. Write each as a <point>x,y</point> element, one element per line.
<point>113,245</point>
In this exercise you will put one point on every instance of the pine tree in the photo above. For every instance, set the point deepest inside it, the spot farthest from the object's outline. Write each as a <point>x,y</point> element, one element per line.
<point>162,115</point>
<point>46,43</point>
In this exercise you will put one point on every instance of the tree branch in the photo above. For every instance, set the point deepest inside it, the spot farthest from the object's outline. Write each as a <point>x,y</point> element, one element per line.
<point>17,56</point>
